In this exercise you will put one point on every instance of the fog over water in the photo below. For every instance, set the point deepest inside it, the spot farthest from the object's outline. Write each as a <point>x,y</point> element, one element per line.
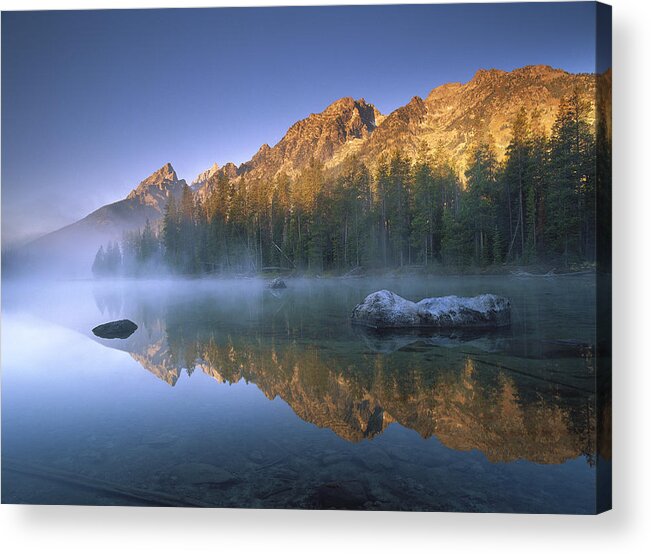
<point>232,394</point>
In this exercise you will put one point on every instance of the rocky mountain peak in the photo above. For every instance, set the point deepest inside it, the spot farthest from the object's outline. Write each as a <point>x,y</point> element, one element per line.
<point>443,91</point>
<point>262,151</point>
<point>348,107</point>
<point>165,173</point>
<point>204,176</point>
<point>161,178</point>
<point>456,116</point>
<point>487,75</point>
<point>230,170</point>
<point>538,71</point>
<point>155,190</point>
<point>319,136</point>
<point>343,104</point>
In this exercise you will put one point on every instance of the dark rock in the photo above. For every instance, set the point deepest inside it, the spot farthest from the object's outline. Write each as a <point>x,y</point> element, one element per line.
<point>121,329</point>
<point>277,283</point>
<point>342,495</point>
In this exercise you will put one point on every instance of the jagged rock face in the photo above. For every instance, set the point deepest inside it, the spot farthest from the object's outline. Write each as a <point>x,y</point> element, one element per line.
<point>159,177</point>
<point>156,189</point>
<point>203,177</point>
<point>453,117</point>
<point>229,170</point>
<point>404,122</point>
<point>206,181</point>
<point>317,137</point>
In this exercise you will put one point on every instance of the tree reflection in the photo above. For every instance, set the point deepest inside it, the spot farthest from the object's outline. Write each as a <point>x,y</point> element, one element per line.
<point>465,401</point>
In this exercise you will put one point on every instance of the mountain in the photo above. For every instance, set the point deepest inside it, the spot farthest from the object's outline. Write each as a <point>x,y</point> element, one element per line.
<point>204,182</point>
<point>146,201</point>
<point>155,190</point>
<point>319,137</point>
<point>456,116</point>
<point>203,177</point>
<point>451,119</point>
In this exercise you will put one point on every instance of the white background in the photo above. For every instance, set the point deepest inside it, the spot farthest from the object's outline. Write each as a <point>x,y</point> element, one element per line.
<point>625,529</point>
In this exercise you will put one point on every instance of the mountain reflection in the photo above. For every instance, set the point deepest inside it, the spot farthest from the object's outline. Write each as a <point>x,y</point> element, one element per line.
<point>335,379</point>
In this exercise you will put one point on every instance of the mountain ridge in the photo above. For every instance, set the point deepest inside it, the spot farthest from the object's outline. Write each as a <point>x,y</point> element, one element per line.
<point>107,223</point>
<point>452,117</point>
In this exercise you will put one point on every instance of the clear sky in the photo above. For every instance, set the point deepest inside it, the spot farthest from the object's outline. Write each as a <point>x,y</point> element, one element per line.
<point>94,101</point>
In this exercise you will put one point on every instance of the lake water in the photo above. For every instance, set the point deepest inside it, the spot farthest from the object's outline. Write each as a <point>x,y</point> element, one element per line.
<point>233,395</point>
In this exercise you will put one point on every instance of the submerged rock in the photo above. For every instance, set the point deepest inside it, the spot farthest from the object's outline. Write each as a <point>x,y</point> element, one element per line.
<point>346,495</point>
<point>386,310</point>
<point>121,329</point>
<point>196,473</point>
<point>277,283</point>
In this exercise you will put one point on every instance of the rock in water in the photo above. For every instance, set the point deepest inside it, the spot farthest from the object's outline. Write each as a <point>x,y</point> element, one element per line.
<point>386,310</point>
<point>115,329</point>
<point>277,283</point>
<point>346,495</point>
<point>195,473</point>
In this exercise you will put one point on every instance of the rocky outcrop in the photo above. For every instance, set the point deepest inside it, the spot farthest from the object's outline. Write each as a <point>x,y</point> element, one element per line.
<point>451,118</point>
<point>385,309</point>
<point>203,177</point>
<point>155,190</point>
<point>229,170</point>
<point>455,116</point>
<point>317,137</point>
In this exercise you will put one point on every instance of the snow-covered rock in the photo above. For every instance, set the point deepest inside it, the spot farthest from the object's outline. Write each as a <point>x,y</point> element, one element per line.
<point>386,310</point>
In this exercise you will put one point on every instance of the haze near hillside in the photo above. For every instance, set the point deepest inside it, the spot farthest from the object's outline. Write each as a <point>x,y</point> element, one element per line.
<point>451,119</point>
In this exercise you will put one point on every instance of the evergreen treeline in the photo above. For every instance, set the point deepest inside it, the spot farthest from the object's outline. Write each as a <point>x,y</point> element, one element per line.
<point>108,261</point>
<point>536,205</point>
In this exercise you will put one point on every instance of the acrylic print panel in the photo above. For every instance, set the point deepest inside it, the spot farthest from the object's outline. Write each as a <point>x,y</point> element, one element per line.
<point>400,301</point>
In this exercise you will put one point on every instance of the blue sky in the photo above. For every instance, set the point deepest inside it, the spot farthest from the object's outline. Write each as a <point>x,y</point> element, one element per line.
<point>94,101</point>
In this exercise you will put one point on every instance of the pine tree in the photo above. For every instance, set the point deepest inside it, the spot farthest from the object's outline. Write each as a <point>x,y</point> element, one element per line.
<point>570,209</point>
<point>99,264</point>
<point>480,200</point>
<point>538,203</point>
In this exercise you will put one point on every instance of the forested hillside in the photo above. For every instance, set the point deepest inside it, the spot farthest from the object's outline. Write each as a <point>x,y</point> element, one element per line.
<point>536,205</point>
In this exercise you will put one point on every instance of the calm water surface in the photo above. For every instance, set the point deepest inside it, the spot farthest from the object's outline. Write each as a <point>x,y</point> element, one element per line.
<point>230,394</point>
